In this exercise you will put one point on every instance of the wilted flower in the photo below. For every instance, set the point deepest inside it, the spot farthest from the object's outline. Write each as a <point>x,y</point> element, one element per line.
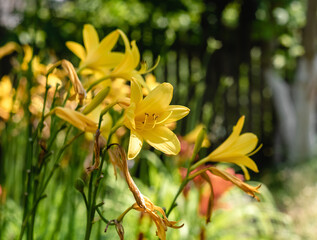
<point>204,173</point>
<point>77,119</point>
<point>71,72</point>
<point>161,222</point>
<point>143,204</point>
<point>229,177</point>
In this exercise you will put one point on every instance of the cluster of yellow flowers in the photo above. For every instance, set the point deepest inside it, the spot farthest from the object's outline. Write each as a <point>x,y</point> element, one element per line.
<point>112,79</point>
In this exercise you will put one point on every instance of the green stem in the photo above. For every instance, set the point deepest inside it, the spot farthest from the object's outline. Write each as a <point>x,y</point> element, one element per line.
<point>185,181</point>
<point>199,163</point>
<point>92,197</point>
<point>180,189</point>
<point>97,82</point>
<point>90,210</point>
<point>27,173</point>
<point>47,87</point>
<point>42,189</point>
<point>25,221</point>
<point>120,218</point>
<point>85,200</point>
<point>35,201</point>
<point>101,216</point>
<point>54,96</point>
<point>60,153</point>
<point>93,189</point>
<point>80,69</point>
<point>37,170</point>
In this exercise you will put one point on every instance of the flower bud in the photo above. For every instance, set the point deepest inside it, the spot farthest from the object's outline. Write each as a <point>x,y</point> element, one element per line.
<point>79,185</point>
<point>96,100</point>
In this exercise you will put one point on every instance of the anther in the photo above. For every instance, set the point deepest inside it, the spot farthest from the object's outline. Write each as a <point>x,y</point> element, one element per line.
<point>145,120</point>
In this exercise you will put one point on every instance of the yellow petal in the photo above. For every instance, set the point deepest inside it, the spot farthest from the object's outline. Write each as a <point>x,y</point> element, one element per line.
<point>109,41</point>
<point>124,66</point>
<point>255,151</point>
<point>238,127</point>
<point>8,48</point>
<point>77,49</point>
<point>136,92</point>
<point>129,116</point>
<point>157,100</point>
<point>126,63</point>
<point>28,53</point>
<point>109,60</point>
<point>145,70</point>
<point>246,172</point>
<point>236,159</point>
<point>125,39</point>
<point>77,119</point>
<point>244,144</point>
<point>135,55</point>
<point>102,56</point>
<point>231,139</point>
<point>135,144</point>
<point>91,39</point>
<point>163,139</point>
<point>138,77</point>
<point>106,125</point>
<point>5,86</point>
<point>177,112</point>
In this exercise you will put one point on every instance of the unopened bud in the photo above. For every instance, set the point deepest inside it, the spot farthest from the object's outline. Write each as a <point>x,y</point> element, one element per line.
<point>79,185</point>
<point>96,100</point>
<point>199,142</point>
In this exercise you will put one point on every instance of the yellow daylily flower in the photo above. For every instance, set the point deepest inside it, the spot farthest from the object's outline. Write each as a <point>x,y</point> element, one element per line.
<point>6,94</point>
<point>77,119</point>
<point>37,67</point>
<point>237,149</point>
<point>95,55</point>
<point>147,119</point>
<point>126,68</point>
<point>28,53</point>
<point>8,48</point>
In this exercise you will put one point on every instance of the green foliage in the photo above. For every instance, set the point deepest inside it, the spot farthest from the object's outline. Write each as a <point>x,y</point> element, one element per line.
<point>188,33</point>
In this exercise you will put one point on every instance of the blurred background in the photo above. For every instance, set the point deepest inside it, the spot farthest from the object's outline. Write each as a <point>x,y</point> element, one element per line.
<point>225,58</point>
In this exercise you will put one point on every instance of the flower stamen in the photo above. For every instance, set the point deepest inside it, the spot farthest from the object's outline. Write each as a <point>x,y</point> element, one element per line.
<point>155,117</point>
<point>145,121</point>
